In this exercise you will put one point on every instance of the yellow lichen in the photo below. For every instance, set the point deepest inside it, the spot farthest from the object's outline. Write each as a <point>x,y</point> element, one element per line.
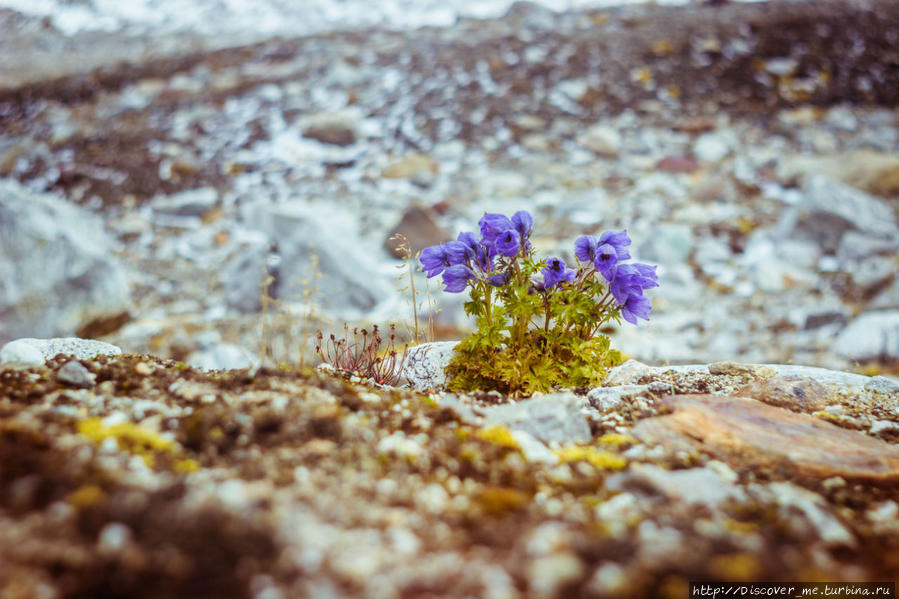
<point>598,458</point>
<point>186,465</point>
<point>501,500</point>
<point>86,496</point>
<point>498,435</point>
<point>735,567</point>
<point>130,437</point>
<point>741,527</point>
<point>616,440</point>
<point>662,47</point>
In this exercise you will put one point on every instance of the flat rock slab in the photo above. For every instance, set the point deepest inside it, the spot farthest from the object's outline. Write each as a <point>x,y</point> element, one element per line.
<point>799,394</point>
<point>632,372</point>
<point>749,434</point>
<point>35,352</point>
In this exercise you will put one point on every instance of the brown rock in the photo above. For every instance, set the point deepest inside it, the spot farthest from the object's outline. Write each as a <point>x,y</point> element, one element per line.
<point>799,394</point>
<point>749,434</point>
<point>419,228</point>
<point>677,164</point>
<point>699,124</point>
<point>874,172</point>
<point>413,166</point>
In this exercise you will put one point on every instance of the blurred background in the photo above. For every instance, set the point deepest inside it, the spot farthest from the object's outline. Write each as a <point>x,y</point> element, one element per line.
<point>213,181</point>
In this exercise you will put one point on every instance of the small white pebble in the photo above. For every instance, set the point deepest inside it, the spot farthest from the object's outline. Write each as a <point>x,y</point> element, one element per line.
<point>113,538</point>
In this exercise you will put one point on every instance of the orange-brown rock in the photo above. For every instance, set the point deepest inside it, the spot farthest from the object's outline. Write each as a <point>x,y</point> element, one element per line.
<point>751,435</point>
<point>799,394</point>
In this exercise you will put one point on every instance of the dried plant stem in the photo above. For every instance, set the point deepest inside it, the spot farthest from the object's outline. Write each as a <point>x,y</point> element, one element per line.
<point>266,300</point>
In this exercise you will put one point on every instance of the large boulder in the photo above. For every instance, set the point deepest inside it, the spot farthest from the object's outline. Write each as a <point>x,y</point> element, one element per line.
<point>314,251</point>
<point>830,209</point>
<point>57,272</point>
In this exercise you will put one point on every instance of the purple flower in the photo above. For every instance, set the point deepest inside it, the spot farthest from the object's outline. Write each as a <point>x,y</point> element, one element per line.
<point>493,225</point>
<point>470,241</point>
<point>508,243</point>
<point>524,224</point>
<point>555,272</point>
<point>632,279</point>
<point>618,240</point>
<point>606,261</point>
<point>585,248</point>
<point>456,277</point>
<point>636,306</point>
<point>484,256</point>
<point>457,252</point>
<point>433,260</point>
<point>499,279</point>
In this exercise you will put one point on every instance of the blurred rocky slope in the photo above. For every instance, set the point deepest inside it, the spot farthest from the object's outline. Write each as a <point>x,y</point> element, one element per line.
<point>750,150</point>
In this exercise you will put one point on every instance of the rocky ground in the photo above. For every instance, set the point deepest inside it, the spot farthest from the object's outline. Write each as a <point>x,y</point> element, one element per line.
<point>750,150</point>
<point>128,475</point>
<point>202,204</point>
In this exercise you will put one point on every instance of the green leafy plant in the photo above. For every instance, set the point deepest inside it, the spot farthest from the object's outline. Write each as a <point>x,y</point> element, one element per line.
<point>537,321</point>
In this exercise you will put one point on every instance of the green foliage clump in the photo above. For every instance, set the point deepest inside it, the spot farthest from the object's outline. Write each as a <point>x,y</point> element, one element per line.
<point>538,321</point>
<point>528,341</point>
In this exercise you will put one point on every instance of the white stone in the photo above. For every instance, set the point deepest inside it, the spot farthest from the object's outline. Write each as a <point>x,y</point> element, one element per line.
<point>21,353</point>
<point>344,279</point>
<point>549,418</point>
<point>883,384</point>
<point>113,538</point>
<point>872,335</point>
<point>602,139</point>
<point>883,426</point>
<point>82,349</point>
<point>533,450</point>
<point>698,486</point>
<point>191,202</point>
<point>57,271</point>
<point>223,356</point>
<point>75,374</point>
<point>425,363</point>
<point>711,147</point>
<point>816,511</point>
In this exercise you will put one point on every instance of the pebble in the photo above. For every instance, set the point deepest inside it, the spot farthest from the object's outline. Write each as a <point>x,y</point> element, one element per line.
<point>21,353</point>
<point>602,139</point>
<point>711,147</point>
<point>143,369</point>
<point>75,374</point>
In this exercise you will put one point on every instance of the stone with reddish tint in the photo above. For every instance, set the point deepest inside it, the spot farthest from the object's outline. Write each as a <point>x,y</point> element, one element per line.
<point>799,394</point>
<point>420,229</point>
<point>751,435</point>
<point>677,164</point>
